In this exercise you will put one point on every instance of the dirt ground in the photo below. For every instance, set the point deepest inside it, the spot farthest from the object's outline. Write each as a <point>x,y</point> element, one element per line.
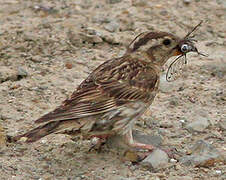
<point>47,47</point>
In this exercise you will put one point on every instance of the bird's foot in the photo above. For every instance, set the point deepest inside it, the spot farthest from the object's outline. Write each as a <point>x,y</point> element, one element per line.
<point>142,147</point>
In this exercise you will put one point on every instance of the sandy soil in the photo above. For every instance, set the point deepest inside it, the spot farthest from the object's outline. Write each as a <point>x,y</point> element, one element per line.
<point>48,47</point>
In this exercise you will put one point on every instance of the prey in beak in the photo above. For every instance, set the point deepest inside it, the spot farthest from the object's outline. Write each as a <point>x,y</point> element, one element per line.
<point>186,45</point>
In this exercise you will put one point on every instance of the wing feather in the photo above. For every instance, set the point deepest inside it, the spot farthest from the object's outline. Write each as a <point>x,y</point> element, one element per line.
<point>111,85</point>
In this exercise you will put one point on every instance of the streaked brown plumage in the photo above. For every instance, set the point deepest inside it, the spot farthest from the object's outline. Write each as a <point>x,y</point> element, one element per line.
<point>116,93</point>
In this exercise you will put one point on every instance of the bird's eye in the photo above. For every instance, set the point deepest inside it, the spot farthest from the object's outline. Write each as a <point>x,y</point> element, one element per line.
<point>166,42</point>
<point>185,48</point>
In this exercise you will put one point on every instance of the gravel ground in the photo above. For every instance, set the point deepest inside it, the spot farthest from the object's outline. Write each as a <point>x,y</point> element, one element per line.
<point>48,47</point>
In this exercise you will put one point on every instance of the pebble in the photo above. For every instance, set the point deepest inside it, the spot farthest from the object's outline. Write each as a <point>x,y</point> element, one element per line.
<point>111,38</point>
<point>199,125</point>
<point>157,159</point>
<point>218,172</point>
<point>180,178</point>
<point>173,160</point>
<point>21,72</point>
<point>166,124</point>
<point>187,2</point>
<point>100,18</point>
<point>155,140</point>
<point>203,154</point>
<point>91,38</point>
<point>112,26</point>
<point>122,178</point>
<point>113,1</point>
<point>222,125</point>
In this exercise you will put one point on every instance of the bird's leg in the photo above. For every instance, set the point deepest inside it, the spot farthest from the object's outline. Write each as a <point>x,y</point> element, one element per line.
<point>130,142</point>
<point>128,137</point>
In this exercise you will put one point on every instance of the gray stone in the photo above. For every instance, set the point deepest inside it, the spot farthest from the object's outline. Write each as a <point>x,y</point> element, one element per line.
<point>112,26</point>
<point>157,159</point>
<point>202,155</point>
<point>122,178</point>
<point>111,38</point>
<point>187,2</point>
<point>21,72</point>
<point>154,140</point>
<point>180,178</point>
<point>199,125</point>
<point>113,1</point>
<point>222,125</point>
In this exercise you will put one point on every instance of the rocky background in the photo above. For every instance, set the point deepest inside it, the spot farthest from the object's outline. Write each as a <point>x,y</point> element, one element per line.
<point>47,47</point>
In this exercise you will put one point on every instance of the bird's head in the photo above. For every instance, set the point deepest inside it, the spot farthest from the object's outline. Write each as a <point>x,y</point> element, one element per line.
<point>158,47</point>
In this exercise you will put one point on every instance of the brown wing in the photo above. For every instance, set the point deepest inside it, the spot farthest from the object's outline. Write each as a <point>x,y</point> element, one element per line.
<point>112,84</point>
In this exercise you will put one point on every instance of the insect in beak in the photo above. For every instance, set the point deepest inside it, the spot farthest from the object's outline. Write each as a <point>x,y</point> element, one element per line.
<point>188,46</point>
<point>185,46</point>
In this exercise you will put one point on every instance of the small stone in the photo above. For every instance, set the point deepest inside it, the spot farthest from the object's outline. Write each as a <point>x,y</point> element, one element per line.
<point>68,65</point>
<point>97,39</point>
<point>157,159</point>
<point>218,172</point>
<point>117,177</point>
<point>222,125</point>
<point>202,155</point>
<point>180,178</point>
<point>166,124</point>
<point>23,139</point>
<point>113,1</point>
<point>173,160</point>
<point>112,26</point>
<point>21,72</point>
<point>199,125</point>
<point>111,38</point>
<point>90,38</point>
<point>155,140</point>
<point>187,2</point>
<point>100,18</point>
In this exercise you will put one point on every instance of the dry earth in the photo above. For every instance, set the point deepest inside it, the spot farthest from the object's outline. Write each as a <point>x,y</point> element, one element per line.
<point>48,47</point>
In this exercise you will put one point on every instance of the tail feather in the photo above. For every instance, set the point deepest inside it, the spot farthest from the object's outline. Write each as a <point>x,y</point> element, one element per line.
<point>46,129</point>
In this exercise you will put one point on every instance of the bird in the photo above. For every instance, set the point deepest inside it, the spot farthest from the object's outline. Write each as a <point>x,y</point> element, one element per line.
<point>117,93</point>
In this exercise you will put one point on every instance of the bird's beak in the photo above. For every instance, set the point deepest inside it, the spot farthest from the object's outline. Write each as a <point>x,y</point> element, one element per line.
<point>177,52</point>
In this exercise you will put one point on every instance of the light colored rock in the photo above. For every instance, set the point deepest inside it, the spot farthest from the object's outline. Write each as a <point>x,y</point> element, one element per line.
<point>113,1</point>
<point>157,159</point>
<point>155,140</point>
<point>180,178</point>
<point>21,72</point>
<point>112,26</point>
<point>202,155</point>
<point>187,2</point>
<point>199,125</point>
<point>222,125</point>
